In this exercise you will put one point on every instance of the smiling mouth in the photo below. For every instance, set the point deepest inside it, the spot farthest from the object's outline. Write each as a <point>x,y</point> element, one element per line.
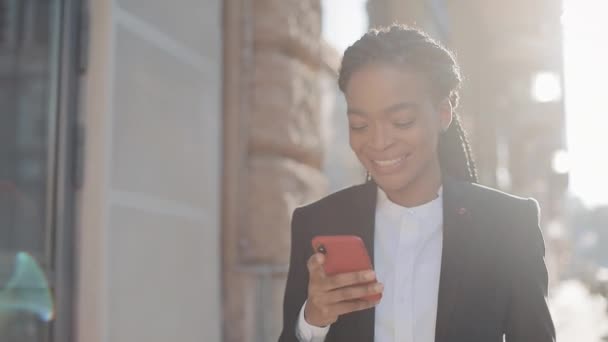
<point>388,162</point>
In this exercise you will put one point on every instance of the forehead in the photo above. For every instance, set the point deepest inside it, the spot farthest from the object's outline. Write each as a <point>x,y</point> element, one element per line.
<point>376,85</point>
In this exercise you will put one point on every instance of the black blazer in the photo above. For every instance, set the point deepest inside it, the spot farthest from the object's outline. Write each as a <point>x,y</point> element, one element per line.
<point>493,276</point>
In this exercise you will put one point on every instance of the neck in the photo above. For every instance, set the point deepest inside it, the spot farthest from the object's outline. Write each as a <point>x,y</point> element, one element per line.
<point>420,190</point>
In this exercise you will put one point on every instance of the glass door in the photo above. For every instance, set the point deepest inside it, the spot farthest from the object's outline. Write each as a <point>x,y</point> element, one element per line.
<point>32,79</point>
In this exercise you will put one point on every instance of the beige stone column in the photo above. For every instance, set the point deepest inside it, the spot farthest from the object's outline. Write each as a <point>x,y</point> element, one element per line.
<point>272,152</point>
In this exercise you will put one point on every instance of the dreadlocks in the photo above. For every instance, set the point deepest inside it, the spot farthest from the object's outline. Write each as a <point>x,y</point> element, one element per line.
<point>400,45</point>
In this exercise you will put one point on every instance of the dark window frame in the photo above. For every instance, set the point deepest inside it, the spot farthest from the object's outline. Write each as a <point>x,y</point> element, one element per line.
<point>67,165</point>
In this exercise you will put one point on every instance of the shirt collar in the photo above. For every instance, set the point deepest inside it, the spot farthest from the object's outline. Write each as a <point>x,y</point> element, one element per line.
<point>424,210</point>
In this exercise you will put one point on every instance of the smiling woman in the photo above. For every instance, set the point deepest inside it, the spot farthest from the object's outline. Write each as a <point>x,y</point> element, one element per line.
<point>401,89</point>
<point>397,143</point>
<point>421,216</point>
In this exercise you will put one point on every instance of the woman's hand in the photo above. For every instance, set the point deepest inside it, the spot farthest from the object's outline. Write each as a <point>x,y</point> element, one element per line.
<point>335,295</point>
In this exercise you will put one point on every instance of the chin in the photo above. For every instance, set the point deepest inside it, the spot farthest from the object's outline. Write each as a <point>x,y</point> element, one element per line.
<point>390,183</point>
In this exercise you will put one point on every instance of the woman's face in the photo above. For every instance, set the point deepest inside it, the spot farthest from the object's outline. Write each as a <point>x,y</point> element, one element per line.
<point>395,124</point>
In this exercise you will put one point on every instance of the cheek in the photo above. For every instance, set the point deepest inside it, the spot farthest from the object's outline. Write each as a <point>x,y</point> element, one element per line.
<point>356,142</point>
<point>423,139</point>
<point>429,146</point>
<point>357,145</point>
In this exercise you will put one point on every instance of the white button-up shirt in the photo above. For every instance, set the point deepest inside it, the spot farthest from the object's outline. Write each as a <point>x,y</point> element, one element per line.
<point>407,260</point>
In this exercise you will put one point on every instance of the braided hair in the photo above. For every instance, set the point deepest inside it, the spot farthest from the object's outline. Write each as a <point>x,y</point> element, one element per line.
<point>401,45</point>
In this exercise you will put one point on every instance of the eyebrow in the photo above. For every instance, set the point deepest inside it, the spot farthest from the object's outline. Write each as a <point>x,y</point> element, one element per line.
<point>388,110</point>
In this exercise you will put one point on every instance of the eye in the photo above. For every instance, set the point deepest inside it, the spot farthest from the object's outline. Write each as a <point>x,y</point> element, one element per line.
<point>357,127</point>
<point>356,124</point>
<point>406,124</point>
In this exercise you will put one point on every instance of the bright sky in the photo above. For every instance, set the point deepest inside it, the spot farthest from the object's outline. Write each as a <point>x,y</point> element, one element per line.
<point>586,75</point>
<point>344,21</point>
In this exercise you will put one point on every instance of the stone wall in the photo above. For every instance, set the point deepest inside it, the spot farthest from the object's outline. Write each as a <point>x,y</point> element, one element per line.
<point>274,137</point>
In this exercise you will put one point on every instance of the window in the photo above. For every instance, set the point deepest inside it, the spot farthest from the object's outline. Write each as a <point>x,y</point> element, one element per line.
<point>35,122</point>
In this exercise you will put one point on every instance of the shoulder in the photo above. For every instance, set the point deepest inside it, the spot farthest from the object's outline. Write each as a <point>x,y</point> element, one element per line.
<point>496,202</point>
<point>514,220</point>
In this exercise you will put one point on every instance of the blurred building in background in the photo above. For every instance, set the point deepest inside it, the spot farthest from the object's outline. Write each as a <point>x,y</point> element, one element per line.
<point>110,166</point>
<point>165,145</point>
<point>27,58</point>
<point>277,96</point>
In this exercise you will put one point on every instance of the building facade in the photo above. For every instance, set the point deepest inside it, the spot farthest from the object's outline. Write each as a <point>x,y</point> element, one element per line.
<point>172,143</point>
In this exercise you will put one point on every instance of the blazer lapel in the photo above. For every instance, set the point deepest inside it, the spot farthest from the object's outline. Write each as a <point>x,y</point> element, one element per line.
<point>360,325</point>
<point>457,222</point>
<point>364,217</point>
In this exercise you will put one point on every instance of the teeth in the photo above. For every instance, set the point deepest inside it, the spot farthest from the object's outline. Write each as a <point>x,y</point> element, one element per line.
<point>388,162</point>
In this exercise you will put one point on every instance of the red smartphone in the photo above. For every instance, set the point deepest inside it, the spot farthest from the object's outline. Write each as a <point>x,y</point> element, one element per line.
<point>344,254</point>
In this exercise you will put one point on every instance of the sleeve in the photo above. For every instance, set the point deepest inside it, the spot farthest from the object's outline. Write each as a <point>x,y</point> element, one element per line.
<point>296,288</point>
<point>528,316</point>
<point>306,332</point>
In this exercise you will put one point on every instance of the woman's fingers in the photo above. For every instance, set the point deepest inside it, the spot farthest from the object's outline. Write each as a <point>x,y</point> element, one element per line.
<point>315,267</point>
<point>327,283</point>
<point>335,295</point>
<point>348,279</point>
<point>353,292</point>
<point>353,305</point>
<point>324,308</point>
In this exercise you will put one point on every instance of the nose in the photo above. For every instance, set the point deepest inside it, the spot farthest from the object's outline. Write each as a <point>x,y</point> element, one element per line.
<point>380,138</point>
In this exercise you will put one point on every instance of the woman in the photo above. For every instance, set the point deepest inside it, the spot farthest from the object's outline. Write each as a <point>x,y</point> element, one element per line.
<point>454,261</point>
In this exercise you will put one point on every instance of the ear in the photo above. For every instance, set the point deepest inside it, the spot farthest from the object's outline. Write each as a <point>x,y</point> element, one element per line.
<point>445,115</point>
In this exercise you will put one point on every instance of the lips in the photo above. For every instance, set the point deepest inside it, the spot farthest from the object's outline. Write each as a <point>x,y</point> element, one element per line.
<point>388,162</point>
<point>385,166</point>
